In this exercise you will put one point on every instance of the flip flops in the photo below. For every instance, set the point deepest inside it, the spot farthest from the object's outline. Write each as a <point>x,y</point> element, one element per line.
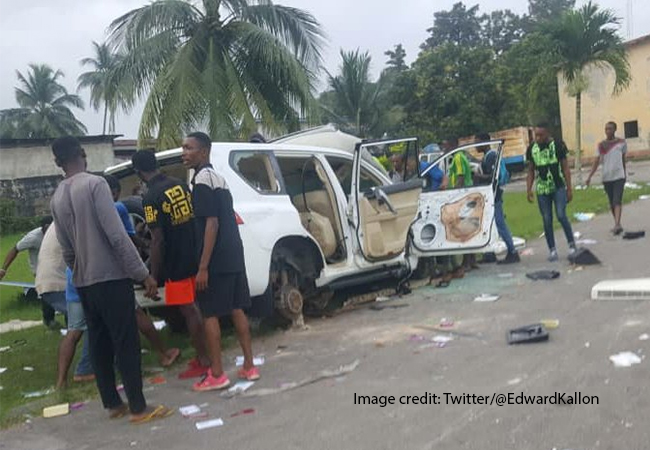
<point>159,412</point>
<point>118,412</point>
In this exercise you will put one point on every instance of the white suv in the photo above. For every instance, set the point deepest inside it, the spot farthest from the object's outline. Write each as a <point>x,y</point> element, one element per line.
<point>316,219</point>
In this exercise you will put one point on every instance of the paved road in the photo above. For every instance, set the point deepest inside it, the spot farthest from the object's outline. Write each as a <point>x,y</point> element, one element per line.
<point>322,415</point>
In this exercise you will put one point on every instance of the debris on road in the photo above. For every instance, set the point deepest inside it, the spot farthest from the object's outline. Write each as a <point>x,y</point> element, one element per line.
<point>550,324</point>
<point>543,275</point>
<point>209,424</point>
<point>257,361</point>
<point>3,369</point>
<point>442,339</point>
<point>187,411</point>
<point>243,412</point>
<point>505,275</point>
<point>625,359</point>
<point>56,410</point>
<point>382,307</point>
<point>77,406</point>
<point>583,257</point>
<point>584,217</point>
<point>446,323</point>
<point>527,252</point>
<point>528,334</point>
<point>159,324</point>
<point>417,338</point>
<point>157,380</point>
<point>28,369</point>
<point>322,375</point>
<point>514,381</point>
<point>644,337</point>
<point>486,298</point>
<point>239,387</point>
<point>35,394</point>
<point>4,349</point>
<point>586,242</point>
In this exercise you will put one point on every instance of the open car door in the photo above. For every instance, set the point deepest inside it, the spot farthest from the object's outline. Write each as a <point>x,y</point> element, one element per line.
<point>382,215</point>
<point>457,220</point>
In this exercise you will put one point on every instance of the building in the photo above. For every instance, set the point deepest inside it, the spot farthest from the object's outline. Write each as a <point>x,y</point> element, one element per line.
<point>630,109</point>
<point>29,176</point>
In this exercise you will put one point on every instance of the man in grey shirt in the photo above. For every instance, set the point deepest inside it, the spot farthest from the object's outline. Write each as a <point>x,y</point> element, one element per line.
<point>611,152</point>
<point>104,262</point>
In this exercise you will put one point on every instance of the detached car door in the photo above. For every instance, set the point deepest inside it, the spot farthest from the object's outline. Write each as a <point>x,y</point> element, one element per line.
<point>456,220</point>
<point>382,215</point>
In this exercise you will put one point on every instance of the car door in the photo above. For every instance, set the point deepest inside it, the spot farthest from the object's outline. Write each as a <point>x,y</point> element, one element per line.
<point>457,220</point>
<point>382,215</point>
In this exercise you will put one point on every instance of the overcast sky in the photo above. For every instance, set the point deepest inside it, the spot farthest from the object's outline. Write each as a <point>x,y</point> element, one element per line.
<point>60,32</point>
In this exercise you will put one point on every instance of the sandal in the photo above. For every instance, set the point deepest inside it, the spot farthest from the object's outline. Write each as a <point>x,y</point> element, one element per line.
<point>159,412</point>
<point>442,284</point>
<point>119,412</point>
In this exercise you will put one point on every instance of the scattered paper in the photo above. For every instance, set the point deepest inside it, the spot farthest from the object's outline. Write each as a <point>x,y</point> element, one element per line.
<point>586,242</point>
<point>550,324</point>
<point>4,349</point>
<point>257,361</point>
<point>240,386</point>
<point>577,234</point>
<point>28,369</point>
<point>587,344</point>
<point>584,217</point>
<point>3,369</point>
<point>442,339</point>
<point>643,337</point>
<point>446,323</point>
<point>63,331</point>
<point>187,411</point>
<point>486,298</point>
<point>159,324</point>
<point>630,185</point>
<point>625,359</point>
<point>527,252</point>
<point>204,405</point>
<point>38,393</point>
<point>644,197</point>
<point>514,381</point>
<point>209,424</point>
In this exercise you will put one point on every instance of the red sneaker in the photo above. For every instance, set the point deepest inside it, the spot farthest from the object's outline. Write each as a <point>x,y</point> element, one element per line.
<point>194,370</point>
<point>210,383</point>
<point>251,374</point>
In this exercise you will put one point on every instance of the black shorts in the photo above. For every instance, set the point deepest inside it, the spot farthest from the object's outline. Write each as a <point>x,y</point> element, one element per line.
<point>614,191</point>
<point>225,293</point>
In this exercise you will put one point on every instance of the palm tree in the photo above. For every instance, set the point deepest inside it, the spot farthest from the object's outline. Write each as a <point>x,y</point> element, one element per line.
<point>218,65</point>
<point>583,38</point>
<point>353,94</point>
<point>44,107</point>
<point>105,88</point>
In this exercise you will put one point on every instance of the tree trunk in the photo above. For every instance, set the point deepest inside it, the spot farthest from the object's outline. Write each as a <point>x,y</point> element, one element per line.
<point>359,122</point>
<point>105,115</point>
<point>578,162</point>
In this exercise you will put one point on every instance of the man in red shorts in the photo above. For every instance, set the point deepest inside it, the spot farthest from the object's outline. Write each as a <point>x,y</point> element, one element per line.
<point>168,213</point>
<point>221,283</point>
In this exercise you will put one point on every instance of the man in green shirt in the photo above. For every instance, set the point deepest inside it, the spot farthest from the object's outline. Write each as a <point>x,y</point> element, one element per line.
<point>460,172</point>
<point>549,169</point>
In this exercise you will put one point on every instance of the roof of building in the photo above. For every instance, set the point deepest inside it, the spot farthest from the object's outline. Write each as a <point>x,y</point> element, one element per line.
<point>637,41</point>
<point>97,139</point>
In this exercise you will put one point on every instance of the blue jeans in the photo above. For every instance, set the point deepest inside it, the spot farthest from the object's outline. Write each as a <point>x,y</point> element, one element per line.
<point>84,367</point>
<point>545,203</point>
<point>502,226</point>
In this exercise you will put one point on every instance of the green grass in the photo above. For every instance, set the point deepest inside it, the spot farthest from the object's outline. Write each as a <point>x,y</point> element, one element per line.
<point>525,220</point>
<point>13,304</point>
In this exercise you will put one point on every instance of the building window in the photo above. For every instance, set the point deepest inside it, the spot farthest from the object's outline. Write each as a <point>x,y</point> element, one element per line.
<point>631,129</point>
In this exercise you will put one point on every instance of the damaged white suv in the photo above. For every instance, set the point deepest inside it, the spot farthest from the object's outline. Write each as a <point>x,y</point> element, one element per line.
<point>316,219</point>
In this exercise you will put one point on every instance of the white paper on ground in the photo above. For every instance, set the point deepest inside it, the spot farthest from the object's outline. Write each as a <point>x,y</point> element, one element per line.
<point>63,332</point>
<point>28,369</point>
<point>159,324</point>
<point>630,185</point>
<point>625,359</point>
<point>486,298</point>
<point>644,337</point>
<point>586,242</point>
<point>442,338</point>
<point>4,349</point>
<point>240,386</point>
<point>257,361</point>
<point>514,381</point>
<point>3,369</point>
<point>584,217</point>
<point>209,424</point>
<point>644,197</point>
<point>189,410</point>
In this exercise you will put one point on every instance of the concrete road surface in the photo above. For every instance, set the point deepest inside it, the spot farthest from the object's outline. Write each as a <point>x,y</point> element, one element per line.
<point>396,358</point>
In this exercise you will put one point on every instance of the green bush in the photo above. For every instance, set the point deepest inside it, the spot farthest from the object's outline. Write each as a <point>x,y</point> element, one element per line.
<point>11,223</point>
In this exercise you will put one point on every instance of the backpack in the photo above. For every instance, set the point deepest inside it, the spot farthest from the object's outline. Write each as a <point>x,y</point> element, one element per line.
<point>504,175</point>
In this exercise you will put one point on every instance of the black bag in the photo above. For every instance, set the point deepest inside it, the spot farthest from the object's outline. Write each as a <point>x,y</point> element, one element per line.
<point>543,275</point>
<point>583,257</point>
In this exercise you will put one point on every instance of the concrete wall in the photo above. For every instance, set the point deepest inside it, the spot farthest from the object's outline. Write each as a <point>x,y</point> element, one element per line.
<point>599,106</point>
<point>31,195</point>
<point>25,161</point>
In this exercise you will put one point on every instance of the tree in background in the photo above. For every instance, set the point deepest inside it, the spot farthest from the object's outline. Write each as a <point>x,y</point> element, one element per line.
<point>584,38</point>
<point>352,100</point>
<point>547,10</point>
<point>460,26</point>
<point>396,59</point>
<point>44,107</point>
<point>218,65</point>
<point>105,88</point>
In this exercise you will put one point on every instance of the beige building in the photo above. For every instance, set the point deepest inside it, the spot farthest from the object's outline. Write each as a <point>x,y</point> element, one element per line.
<point>630,109</point>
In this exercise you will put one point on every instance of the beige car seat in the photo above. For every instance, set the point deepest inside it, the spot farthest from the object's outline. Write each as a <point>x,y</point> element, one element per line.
<point>319,222</point>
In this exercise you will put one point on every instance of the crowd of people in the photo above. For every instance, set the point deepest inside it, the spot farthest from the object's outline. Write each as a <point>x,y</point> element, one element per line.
<point>87,256</point>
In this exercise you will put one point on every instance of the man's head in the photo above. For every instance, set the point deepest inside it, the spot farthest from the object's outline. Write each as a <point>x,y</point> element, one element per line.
<point>196,150</point>
<point>68,154</point>
<point>542,135</point>
<point>114,184</point>
<point>398,162</point>
<point>482,137</point>
<point>45,223</point>
<point>610,130</point>
<point>145,164</point>
<point>449,144</point>
<point>257,138</point>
